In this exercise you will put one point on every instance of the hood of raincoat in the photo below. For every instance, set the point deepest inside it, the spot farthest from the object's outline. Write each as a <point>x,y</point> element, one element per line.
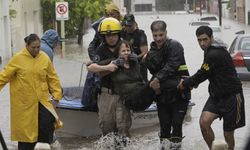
<point>48,41</point>
<point>51,37</point>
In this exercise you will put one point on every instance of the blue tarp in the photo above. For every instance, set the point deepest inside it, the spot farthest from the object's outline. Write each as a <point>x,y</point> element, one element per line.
<point>77,104</point>
<point>72,104</point>
<point>72,99</point>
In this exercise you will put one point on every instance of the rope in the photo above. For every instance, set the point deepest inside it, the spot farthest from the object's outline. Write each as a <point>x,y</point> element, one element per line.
<point>79,85</point>
<point>81,74</point>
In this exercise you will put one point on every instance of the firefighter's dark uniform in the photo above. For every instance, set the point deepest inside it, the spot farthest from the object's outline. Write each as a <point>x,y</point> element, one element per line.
<point>168,65</point>
<point>137,39</point>
<point>103,53</point>
<point>108,102</point>
<point>225,89</point>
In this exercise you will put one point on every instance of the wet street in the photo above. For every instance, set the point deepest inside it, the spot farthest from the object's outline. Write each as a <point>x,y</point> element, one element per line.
<point>72,72</point>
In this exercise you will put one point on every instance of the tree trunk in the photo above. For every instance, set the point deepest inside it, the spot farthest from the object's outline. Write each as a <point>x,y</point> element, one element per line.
<point>80,32</point>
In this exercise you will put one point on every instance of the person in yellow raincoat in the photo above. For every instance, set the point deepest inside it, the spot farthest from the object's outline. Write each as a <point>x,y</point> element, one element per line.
<point>32,79</point>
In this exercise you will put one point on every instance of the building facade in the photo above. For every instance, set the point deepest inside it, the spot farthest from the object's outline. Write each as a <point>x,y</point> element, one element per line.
<point>27,20</point>
<point>143,5</point>
<point>5,38</point>
<point>247,12</point>
<point>240,10</point>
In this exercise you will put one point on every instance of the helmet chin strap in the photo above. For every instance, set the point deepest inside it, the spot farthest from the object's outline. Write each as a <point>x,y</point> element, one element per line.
<point>113,46</point>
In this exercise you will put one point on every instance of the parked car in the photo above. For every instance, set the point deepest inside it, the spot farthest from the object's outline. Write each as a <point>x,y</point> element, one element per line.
<point>199,23</point>
<point>240,52</point>
<point>204,21</point>
<point>208,18</point>
<point>215,28</point>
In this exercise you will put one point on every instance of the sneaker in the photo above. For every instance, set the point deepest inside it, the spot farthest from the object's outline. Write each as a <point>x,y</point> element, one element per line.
<point>165,144</point>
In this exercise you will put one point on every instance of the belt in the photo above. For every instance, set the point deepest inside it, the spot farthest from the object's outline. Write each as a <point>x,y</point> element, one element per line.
<point>106,90</point>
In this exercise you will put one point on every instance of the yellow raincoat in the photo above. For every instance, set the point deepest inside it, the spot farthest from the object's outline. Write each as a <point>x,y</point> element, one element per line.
<point>31,80</point>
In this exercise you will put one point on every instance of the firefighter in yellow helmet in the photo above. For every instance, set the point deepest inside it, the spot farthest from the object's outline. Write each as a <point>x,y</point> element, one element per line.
<point>109,26</point>
<point>111,10</point>
<point>113,115</point>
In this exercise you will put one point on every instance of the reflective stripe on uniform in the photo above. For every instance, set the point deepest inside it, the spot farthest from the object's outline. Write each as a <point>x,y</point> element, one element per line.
<point>239,101</point>
<point>182,67</point>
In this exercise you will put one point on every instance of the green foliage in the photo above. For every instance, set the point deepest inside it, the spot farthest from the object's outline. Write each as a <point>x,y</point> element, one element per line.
<point>12,13</point>
<point>48,13</point>
<point>78,11</point>
<point>229,4</point>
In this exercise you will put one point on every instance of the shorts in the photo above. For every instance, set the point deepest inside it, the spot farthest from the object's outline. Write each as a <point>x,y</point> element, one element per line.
<point>231,108</point>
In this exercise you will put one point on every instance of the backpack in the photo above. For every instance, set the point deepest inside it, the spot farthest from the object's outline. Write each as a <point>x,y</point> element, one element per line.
<point>90,91</point>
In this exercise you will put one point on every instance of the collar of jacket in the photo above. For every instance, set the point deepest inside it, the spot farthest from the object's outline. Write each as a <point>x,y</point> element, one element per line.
<point>154,46</point>
<point>217,44</point>
<point>108,46</point>
<point>27,53</point>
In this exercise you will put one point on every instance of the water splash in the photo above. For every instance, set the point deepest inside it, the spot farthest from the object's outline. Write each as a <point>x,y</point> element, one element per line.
<point>111,141</point>
<point>56,145</point>
<point>114,142</point>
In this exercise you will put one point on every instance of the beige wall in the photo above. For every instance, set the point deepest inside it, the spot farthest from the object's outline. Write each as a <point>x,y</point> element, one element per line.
<point>240,10</point>
<point>5,42</point>
<point>28,20</point>
<point>247,10</point>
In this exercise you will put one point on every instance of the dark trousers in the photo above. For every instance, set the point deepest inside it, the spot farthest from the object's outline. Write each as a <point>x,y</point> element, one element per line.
<point>171,116</point>
<point>248,145</point>
<point>144,72</point>
<point>45,129</point>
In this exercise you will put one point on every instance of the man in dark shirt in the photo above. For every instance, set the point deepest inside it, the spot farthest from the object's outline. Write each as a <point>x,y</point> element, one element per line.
<point>225,90</point>
<point>166,63</point>
<point>138,40</point>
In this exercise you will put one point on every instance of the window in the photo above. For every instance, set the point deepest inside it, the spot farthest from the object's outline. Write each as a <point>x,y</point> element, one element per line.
<point>245,43</point>
<point>143,7</point>
<point>199,23</point>
<point>232,47</point>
